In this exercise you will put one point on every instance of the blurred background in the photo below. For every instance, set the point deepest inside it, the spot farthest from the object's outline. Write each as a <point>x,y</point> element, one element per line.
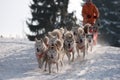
<point>110,21</point>
<point>28,18</point>
<point>61,15</point>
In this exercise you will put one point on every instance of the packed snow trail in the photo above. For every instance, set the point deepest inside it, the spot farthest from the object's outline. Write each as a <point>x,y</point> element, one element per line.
<point>18,62</point>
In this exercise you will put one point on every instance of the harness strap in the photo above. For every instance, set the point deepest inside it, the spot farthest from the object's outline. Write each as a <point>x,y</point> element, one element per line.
<point>91,30</point>
<point>81,47</point>
<point>70,50</point>
<point>40,55</point>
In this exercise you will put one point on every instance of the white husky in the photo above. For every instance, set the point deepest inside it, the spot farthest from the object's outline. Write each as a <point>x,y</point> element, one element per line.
<point>40,51</point>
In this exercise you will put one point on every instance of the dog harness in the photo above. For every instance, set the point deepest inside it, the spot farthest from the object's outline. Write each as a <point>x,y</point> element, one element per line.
<point>81,47</point>
<point>70,50</point>
<point>40,55</point>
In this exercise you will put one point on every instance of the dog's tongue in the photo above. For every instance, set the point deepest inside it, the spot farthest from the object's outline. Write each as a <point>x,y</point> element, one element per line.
<point>70,50</point>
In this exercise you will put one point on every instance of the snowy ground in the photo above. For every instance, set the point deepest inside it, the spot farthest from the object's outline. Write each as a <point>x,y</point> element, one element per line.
<point>18,62</point>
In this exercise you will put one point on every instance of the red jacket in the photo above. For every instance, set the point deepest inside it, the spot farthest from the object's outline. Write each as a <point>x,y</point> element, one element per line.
<point>90,13</point>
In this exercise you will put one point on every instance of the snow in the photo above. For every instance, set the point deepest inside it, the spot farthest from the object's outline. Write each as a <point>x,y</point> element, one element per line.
<point>18,62</point>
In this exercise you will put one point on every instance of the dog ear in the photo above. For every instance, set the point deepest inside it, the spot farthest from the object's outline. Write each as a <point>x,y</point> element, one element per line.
<point>62,30</point>
<point>72,34</point>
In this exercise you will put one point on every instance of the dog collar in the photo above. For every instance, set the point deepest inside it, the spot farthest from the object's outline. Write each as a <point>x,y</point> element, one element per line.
<point>70,50</point>
<point>40,55</point>
<point>81,47</point>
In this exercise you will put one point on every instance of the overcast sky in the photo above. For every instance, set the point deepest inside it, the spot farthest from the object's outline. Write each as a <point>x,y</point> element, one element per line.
<point>13,14</point>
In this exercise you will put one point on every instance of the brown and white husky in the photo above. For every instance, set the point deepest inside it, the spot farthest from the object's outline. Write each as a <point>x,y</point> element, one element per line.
<point>54,54</point>
<point>69,44</point>
<point>88,28</point>
<point>81,43</point>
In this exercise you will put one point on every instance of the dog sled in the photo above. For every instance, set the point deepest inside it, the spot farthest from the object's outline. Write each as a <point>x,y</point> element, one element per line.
<point>60,42</point>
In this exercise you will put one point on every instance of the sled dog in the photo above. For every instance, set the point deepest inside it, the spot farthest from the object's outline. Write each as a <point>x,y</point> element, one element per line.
<point>40,51</point>
<point>81,42</point>
<point>69,44</point>
<point>54,54</point>
<point>89,36</point>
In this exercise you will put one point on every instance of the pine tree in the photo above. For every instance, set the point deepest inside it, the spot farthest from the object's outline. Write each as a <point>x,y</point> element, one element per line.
<point>44,16</point>
<point>109,16</point>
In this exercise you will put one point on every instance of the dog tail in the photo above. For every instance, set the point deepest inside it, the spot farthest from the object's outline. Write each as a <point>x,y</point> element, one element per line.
<point>59,44</point>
